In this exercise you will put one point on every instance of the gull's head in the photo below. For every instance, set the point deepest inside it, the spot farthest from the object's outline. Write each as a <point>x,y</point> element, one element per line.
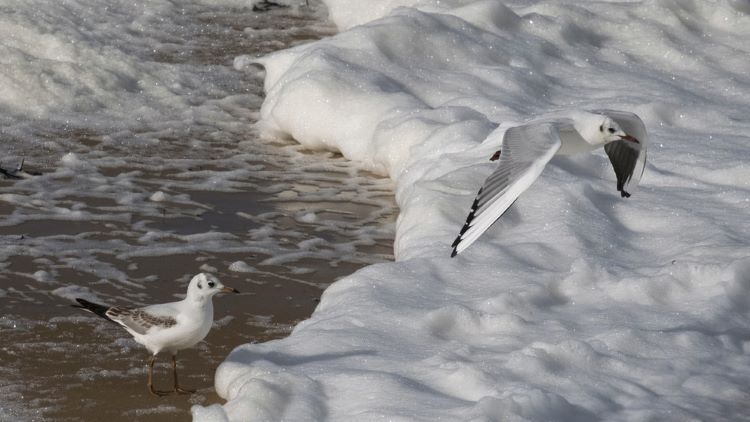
<point>205,286</point>
<point>610,131</point>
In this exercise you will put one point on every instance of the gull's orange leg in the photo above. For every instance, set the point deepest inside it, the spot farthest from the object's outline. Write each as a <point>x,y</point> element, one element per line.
<point>159,393</point>
<point>177,387</point>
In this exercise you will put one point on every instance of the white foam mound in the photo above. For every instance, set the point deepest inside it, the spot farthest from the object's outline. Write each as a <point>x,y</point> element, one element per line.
<point>579,305</point>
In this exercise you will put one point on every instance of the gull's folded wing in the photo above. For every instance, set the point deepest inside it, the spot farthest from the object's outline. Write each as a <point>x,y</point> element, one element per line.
<point>138,320</point>
<point>525,152</point>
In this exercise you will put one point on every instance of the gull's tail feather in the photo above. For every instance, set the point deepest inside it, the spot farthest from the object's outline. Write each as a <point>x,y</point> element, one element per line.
<point>94,308</point>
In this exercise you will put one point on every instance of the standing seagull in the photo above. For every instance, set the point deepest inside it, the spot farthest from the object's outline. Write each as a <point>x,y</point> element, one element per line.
<point>527,149</point>
<point>167,326</point>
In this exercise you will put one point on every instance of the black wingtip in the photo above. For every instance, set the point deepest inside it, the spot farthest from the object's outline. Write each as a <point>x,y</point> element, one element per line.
<point>85,303</point>
<point>469,219</point>
<point>92,307</point>
<point>456,242</point>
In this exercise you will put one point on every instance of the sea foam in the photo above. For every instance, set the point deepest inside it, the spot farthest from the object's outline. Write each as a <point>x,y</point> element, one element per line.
<point>577,305</point>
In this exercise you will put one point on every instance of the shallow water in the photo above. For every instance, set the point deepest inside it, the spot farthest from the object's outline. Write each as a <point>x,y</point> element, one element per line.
<point>126,213</point>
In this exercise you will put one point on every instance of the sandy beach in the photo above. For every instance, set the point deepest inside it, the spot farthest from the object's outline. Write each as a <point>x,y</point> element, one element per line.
<point>126,214</point>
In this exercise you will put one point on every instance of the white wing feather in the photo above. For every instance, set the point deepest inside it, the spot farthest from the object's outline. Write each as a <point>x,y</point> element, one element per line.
<point>526,150</point>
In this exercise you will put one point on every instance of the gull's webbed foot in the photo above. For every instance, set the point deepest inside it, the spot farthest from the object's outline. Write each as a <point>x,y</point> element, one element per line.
<point>180,390</point>
<point>158,393</point>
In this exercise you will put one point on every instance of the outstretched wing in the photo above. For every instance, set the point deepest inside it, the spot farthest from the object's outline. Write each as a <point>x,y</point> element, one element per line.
<point>628,158</point>
<point>525,152</point>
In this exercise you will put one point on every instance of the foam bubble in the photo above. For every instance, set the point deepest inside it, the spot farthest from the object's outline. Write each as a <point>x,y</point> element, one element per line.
<point>241,267</point>
<point>158,196</point>
<point>71,292</point>
<point>44,277</point>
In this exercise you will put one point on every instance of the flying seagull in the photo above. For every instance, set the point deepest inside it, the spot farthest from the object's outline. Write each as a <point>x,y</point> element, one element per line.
<point>527,149</point>
<point>167,327</point>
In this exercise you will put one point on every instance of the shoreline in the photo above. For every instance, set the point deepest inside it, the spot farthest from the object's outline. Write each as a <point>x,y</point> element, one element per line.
<point>129,220</point>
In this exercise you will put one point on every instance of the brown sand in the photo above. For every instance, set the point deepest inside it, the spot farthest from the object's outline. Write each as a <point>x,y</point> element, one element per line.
<point>70,370</point>
<point>58,363</point>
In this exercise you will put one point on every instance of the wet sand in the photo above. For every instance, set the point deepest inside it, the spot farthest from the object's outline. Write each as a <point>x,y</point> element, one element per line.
<point>297,221</point>
<point>67,365</point>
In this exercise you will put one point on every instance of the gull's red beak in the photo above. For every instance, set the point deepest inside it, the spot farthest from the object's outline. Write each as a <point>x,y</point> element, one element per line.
<point>629,139</point>
<point>226,289</point>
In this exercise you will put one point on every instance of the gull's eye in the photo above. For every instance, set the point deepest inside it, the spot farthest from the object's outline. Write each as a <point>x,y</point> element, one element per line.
<point>601,128</point>
<point>211,284</point>
<point>611,130</point>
